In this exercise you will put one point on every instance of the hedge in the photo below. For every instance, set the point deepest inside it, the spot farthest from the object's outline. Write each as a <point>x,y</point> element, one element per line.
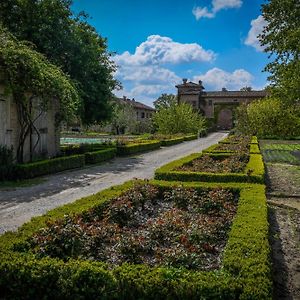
<point>49,166</point>
<point>67,150</point>
<point>173,141</point>
<point>138,147</point>
<point>99,156</point>
<point>254,149</point>
<point>245,271</point>
<point>227,140</point>
<point>254,171</point>
<point>191,137</point>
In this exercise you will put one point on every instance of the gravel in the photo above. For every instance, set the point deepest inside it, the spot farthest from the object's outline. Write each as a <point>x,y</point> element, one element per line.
<point>19,205</point>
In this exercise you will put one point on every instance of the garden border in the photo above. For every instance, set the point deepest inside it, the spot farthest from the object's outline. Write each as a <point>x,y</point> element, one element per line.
<point>245,273</point>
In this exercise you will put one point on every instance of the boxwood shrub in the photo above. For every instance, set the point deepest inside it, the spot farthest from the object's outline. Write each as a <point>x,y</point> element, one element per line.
<point>245,271</point>
<point>138,147</point>
<point>191,137</point>
<point>39,168</point>
<point>99,156</point>
<point>254,171</point>
<point>173,141</point>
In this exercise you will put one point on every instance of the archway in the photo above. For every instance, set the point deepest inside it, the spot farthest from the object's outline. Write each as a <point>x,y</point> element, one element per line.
<point>225,119</point>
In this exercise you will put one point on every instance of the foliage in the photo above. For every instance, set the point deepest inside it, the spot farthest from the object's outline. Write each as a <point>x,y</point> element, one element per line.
<point>245,273</point>
<point>69,42</point>
<point>26,71</point>
<point>179,118</point>
<point>123,118</point>
<point>269,117</point>
<point>100,155</point>
<point>281,39</point>
<point>136,147</point>
<point>6,162</point>
<point>165,101</point>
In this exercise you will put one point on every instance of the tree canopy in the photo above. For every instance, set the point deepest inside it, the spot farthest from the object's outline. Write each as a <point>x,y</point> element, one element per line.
<point>178,118</point>
<point>69,42</point>
<point>281,39</point>
<point>165,101</point>
<point>28,74</point>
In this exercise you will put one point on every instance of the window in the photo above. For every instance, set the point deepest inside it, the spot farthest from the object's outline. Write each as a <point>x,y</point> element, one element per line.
<point>210,102</point>
<point>143,115</point>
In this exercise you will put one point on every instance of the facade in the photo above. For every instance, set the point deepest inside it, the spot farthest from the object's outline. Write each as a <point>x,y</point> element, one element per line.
<point>143,112</point>
<point>218,106</point>
<point>48,145</point>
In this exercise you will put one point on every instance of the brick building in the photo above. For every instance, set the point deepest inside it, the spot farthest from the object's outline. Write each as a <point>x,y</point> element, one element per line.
<point>218,106</point>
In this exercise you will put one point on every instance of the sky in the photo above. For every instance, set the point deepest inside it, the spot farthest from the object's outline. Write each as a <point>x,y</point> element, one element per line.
<point>157,43</point>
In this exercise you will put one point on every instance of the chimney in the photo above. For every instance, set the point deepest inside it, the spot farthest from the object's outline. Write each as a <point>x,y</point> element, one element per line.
<point>133,99</point>
<point>224,89</point>
<point>124,98</point>
<point>200,82</point>
<point>184,80</point>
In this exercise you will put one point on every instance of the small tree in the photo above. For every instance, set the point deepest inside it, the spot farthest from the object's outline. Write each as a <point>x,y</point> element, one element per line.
<point>165,101</point>
<point>179,118</point>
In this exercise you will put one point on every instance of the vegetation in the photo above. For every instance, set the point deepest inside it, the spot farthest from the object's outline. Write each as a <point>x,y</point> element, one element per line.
<point>165,101</point>
<point>245,272</point>
<point>68,41</point>
<point>281,39</point>
<point>34,84</point>
<point>269,117</point>
<point>178,118</point>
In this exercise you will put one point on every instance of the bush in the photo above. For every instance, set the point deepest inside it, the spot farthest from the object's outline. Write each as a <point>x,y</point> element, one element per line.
<point>254,171</point>
<point>99,156</point>
<point>49,166</point>
<point>6,162</point>
<point>191,137</point>
<point>67,150</point>
<point>245,273</point>
<point>173,141</point>
<point>138,147</point>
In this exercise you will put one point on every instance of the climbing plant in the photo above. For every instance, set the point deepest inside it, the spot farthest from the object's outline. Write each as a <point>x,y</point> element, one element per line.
<point>28,75</point>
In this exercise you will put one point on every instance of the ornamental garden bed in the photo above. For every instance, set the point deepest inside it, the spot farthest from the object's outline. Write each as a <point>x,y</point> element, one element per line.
<point>237,139</point>
<point>219,167</point>
<point>154,240</point>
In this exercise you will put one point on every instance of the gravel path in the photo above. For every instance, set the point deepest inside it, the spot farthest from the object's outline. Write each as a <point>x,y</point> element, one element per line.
<point>19,205</point>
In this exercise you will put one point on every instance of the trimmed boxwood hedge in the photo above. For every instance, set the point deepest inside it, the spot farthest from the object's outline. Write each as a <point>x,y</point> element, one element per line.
<point>138,147</point>
<point>245,272</point>
<point>254,149</point>
<point>254,171</point>
<point>173,141</point>
<point>99,156</point>
<point>191,137</point>
<point>49,166</point>
<point>254,140</point>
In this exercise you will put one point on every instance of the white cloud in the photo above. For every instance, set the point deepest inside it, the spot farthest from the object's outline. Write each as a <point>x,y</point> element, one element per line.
<point>257,26</point>
<point>161,50</point>
<point>217,5</point>
<point>216,79</point>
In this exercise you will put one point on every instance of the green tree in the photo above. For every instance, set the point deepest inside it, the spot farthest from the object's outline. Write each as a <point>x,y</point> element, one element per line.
<point>28,75</point>
<point>69,42</point>
<point>281,39</point>
<point>123,118</point>
<point>268,117</point>
<point>165,101</point>
<point>178,118</point>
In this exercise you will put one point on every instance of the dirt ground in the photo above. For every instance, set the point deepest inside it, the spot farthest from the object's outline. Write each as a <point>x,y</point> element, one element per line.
<point>283,194</point>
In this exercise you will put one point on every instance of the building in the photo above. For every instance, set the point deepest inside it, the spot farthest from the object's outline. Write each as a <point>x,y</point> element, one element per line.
<point>217,106</point>
<point>143,111</point>
<point>46,145</point>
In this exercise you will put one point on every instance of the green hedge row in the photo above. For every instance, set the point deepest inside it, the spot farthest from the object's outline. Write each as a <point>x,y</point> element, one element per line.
<point>139,147</point>
<point>49,166</point>
<point>254,171</point>
<point>173,141</point>
<point>67,150</point>
<point>227,140</point>
<point>191,137</point>
<point>100,156</point>
<point>245,272</point>
<point>254,149</point>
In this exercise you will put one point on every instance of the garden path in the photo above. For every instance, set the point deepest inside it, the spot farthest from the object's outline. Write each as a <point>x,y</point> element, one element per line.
<point>19,205</point>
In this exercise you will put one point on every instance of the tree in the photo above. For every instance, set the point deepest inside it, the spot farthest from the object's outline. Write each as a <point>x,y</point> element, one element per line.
<point>29,75</point>
<point>178,118</point>
<point>268,117</point>
<point>165,101</point>
<point>123,118</point>
<point>69,42</point>
<point>281,39</point>
<point>246,89</point>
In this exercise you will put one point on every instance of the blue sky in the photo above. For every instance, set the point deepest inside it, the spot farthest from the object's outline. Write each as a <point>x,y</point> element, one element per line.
<point>157,43</point>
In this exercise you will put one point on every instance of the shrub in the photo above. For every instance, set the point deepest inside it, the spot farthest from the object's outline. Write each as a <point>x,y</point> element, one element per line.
<point>245,272</point>
<point>172,141</point>
<point>99,156</point>
<point>138,147</point>
<point>49,166</point>
<point>6,162</point>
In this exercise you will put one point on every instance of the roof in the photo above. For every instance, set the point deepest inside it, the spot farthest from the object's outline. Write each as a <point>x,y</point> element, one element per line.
<point>238,94</point>
<point>189,84</point>
<point>135,104</point>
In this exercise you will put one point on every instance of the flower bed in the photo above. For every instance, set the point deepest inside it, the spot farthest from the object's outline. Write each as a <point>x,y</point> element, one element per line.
<point>175,170</point>
<point>237,139</point>
<point>232,148</point>
<point>245,271</point>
